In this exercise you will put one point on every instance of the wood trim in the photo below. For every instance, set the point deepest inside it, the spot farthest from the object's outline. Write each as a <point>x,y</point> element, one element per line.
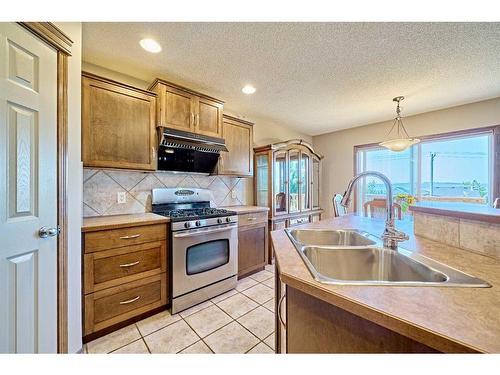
<point>286,144</point>
<point>51,35</point>
<point>182,88</point>
<point>232,118</point>
<point>62,199</point>
<point>119,84</point>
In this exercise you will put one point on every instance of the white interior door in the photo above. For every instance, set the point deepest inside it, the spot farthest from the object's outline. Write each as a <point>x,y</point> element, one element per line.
<point>28,192</point>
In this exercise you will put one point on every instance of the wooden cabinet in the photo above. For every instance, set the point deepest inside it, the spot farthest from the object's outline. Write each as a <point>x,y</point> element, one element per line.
<point>238,161</point>
<point>287,180</point>
<point>124,274</point>
<point>280,316</point>
<point>118,125</point>
<point>252,242</point>
<point>183,109</point>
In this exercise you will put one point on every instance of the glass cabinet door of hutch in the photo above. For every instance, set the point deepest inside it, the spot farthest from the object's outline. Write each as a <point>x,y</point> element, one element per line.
<point>280,182</point>
<point>262,180</point>
<point>315,182</point>
<point>304,184</point>
<point>294,178</point>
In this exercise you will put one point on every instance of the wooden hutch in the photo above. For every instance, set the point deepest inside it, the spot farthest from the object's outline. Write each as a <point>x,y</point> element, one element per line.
<point>287,180</point>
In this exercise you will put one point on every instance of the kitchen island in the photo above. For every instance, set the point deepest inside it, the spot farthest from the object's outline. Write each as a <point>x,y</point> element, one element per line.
<point>319,318</point>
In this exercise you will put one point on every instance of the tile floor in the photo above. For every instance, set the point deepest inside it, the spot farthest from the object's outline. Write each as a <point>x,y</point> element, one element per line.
<point>239,321</point>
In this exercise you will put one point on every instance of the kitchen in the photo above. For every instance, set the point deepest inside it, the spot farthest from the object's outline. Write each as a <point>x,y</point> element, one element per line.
<point>222,205</point>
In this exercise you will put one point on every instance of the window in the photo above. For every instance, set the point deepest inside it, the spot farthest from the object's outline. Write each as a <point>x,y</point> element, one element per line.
<point>448,168</point>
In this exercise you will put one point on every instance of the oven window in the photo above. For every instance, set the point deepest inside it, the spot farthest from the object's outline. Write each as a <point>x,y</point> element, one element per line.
<point>206,256</point>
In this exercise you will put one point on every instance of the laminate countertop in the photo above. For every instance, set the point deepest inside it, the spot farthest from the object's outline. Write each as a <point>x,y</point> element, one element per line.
<point>246,209</point>
<point>445,318</point>
<point>96,223</point>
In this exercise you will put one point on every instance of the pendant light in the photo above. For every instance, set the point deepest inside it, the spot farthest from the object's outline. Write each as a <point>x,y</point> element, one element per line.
<point>399,141</point>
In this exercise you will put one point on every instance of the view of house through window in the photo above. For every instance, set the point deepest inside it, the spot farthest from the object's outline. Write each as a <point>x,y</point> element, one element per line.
<point>447,169</point>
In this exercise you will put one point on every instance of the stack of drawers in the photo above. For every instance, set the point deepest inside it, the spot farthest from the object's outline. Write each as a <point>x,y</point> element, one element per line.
<point>252,242</point>
<point>124,274</point>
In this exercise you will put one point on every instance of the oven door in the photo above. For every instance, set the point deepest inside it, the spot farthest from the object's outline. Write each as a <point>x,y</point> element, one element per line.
<point>201,257</point>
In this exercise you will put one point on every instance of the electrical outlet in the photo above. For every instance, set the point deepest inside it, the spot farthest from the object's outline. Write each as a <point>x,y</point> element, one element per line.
<point>233,194</point>
<point>121,197</point>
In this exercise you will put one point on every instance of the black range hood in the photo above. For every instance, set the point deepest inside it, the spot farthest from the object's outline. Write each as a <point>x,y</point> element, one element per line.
<point>182,151</point>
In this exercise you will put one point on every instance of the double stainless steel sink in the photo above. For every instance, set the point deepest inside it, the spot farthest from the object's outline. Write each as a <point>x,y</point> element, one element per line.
<point>353,257</point>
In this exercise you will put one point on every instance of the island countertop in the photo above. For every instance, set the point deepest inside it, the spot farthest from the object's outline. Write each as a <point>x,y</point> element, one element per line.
<point>468,211</point>
<point>448,319</point>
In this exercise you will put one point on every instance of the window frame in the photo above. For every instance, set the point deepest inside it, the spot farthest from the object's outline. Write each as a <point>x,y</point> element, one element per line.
<point>494,131</point>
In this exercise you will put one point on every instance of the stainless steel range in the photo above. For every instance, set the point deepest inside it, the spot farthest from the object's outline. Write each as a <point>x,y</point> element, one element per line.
<point>204,245</point>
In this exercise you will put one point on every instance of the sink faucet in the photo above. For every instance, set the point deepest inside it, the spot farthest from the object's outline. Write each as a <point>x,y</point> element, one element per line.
<point>391,235</point>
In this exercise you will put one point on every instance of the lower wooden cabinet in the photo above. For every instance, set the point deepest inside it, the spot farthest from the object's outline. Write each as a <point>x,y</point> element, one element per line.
<point>252,242</point>
<point>124,274</point>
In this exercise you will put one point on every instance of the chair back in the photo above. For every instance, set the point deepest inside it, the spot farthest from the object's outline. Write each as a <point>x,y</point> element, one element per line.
<point>376,208</point>
<point>280,202</point>
<point>338,209</point>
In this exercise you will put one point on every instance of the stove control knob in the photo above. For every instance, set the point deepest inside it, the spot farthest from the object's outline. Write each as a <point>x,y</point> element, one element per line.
<point>198,223</point>
<point>219,221</point>
<point>187,224</point>
<point>228,219</point>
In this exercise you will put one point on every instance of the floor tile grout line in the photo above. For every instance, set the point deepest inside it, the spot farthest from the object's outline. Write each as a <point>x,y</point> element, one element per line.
<point>120,347</point>
<point>147,346</point>
<point>159,329</point>
<point>196,333</point>
<point>247,352</point>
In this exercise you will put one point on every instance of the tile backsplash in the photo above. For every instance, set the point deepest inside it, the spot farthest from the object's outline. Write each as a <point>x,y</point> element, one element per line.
<point>101,188</point>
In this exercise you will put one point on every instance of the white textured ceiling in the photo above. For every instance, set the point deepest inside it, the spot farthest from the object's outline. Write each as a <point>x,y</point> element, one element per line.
<point>313,77</point>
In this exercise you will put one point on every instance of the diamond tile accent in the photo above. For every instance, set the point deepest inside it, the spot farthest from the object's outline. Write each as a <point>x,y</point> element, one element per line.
<point>89,211</point>
<point>170,180</point>
<point>127,179</point>
<point>171,339</point>
<point>88,172</point>
<point>219,189</point>
<point>232,338</point>
<point>188,182</point>
<point>132,206</point>
<point>99,192</point>
<point>259,321</point>
<point>229,181</point>
<point>204,181</point>
<point>208,320</point>
<point>142,191</point>
<point>259,293</point>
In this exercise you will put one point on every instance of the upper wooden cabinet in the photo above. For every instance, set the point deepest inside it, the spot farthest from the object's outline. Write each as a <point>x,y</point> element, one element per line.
<point>238,135</point>
<point>118,125</point>
<point>184,109</point>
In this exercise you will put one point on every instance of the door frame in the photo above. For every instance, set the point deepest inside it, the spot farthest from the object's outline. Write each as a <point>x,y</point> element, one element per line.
<point>53,36</point>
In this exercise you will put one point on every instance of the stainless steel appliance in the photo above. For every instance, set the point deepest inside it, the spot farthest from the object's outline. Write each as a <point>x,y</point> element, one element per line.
<point>204,245</point>
<point>182,151</point>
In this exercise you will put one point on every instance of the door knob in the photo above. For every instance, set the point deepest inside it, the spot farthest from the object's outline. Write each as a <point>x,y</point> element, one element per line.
<point>45,232</point>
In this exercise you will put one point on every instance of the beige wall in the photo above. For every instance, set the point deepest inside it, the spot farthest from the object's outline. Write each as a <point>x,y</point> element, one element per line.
<point>337,147</point>
<point>74,31</point>
<point>265,131</point>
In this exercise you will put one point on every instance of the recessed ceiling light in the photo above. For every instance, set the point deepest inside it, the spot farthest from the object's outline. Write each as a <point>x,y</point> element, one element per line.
<point>150,45</point>
<point>248,89</point>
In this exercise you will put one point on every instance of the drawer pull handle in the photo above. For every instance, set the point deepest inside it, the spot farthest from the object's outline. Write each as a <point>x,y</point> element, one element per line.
<point>130,237</point>
<point>252,219</point>
<point>130,300</point>
<point>130,264</point>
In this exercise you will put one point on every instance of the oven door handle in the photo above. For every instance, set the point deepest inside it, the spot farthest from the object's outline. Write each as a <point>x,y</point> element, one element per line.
<point>202,232</point>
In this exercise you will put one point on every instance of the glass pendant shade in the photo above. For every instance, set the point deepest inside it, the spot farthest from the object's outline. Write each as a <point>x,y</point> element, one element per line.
<point>398,139</point>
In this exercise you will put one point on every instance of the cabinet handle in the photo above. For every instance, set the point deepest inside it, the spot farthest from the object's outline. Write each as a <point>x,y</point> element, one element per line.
<point>130,264</point>
<point>192,119</point>
<point>130,300</point>
<point>197,117</point>
<point>130,237</point>
<point>279,310</point>
<point>153,153</point>
<point>252,219</point>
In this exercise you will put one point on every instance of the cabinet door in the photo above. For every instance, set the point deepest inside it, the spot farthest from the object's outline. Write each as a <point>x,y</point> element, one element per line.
<point>238,160</point>
<point>294,179</point>
<point>315,182</point>
<point>304,182</point>
<point>251,248</point>
<point>208,117</point>
<point>117,126</point>
<point>262,180</point>
<point>280,183</point>
<point>177,109</point>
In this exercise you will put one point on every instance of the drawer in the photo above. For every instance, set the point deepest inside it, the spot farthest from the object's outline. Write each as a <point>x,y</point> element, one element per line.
<point>114,238</point>
<point>252,218</point>
<point>104,269</point>
<point>298,220</point>
<point>114,305</point>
